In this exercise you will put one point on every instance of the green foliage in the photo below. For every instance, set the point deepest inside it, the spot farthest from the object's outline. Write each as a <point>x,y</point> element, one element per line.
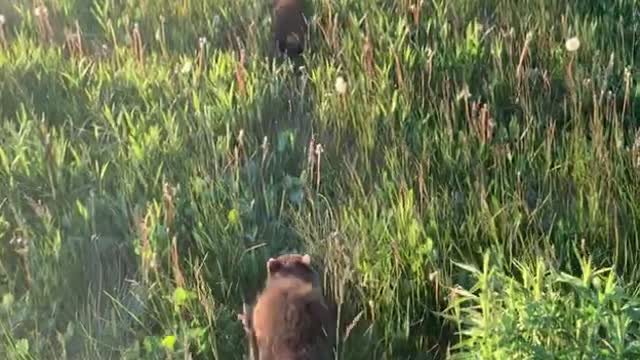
<point>146,179</point>
<point>541,313</point>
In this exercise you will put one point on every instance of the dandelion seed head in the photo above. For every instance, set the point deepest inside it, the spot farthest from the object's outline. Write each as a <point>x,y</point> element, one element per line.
<point>572,44</point>
<point>341,85</point>
<point>597,283</point>
<point>40,11</point>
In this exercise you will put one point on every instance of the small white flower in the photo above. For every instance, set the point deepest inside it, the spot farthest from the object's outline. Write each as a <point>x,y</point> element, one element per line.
<point>572,44</point>
<point>341,85</point>
<point>464,93</point>
<point>40,11</point>
<point>186,67</point>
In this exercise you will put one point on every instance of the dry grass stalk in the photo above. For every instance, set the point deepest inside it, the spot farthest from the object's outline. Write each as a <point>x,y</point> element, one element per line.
<point>73,41</point>
<point>175,264</point>
<point>482,122</point>
<point>136,44</point>
<point>3,38</point>
<point>367,50</point>
<point>241,74</point>
<point>523,58</point>
<point>41,12</point>
<point>200,57</point>
<point>416,10</point>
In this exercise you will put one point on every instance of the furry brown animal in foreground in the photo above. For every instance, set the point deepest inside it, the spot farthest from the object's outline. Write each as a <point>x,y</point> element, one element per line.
<point>290,319</point>
<point>292,265</point>
<point>289,27</point>
<point>288,265</point>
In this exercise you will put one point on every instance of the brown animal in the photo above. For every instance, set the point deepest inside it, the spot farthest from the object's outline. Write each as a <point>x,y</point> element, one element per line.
<point>289,27</point>
<point>287,265</point>
<point>290,320</point>
<point>292,265</point>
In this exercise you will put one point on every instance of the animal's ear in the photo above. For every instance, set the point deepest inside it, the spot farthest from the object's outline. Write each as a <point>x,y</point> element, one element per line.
<point>306,259</point>
<point>273,265</point>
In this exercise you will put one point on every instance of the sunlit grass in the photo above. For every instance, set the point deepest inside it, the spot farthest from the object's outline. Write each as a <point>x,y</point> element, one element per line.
<point>466,173</point>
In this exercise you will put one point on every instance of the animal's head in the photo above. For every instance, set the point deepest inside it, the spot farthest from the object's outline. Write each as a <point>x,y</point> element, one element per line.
<point>292,265</point>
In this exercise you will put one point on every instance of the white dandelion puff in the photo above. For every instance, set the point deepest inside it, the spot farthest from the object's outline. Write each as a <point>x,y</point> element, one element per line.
<point>341,85</point>
<point>572,44</point>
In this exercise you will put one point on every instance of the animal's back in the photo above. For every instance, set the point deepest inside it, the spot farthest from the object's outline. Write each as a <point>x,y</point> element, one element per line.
<point>289,26</point>
<point>289,320</point>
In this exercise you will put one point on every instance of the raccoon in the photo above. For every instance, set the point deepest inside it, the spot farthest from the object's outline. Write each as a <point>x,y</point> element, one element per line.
<point>290,319</point>
<point>289,27</point>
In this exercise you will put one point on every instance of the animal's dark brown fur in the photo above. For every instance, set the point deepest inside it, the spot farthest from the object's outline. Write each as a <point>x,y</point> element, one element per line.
<point>289,26</point>
<point>290,319</point>
<point>292,265</point>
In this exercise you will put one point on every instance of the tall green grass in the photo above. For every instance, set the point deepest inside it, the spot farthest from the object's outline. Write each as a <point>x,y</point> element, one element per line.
<point>473,192</point>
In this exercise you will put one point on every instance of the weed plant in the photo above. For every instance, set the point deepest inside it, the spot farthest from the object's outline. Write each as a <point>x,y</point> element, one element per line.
<point>467,173</point>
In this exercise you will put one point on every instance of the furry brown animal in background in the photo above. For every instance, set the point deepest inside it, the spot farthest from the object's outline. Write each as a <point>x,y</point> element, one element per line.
<point>290,319</point>
<point>289,27</point>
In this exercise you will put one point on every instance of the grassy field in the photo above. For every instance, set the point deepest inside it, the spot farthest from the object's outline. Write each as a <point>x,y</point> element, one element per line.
<point>465,173</point>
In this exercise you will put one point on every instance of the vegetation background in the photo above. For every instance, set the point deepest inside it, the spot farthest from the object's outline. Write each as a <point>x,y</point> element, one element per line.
<point>466,173</point>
